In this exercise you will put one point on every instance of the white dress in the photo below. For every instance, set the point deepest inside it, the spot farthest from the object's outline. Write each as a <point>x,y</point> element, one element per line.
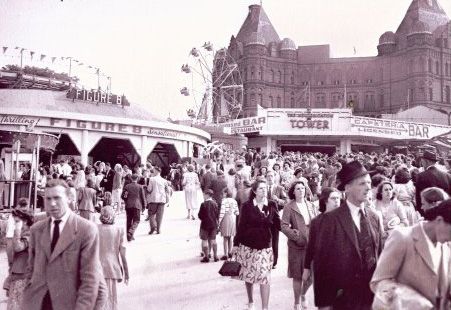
<point>190,186</point>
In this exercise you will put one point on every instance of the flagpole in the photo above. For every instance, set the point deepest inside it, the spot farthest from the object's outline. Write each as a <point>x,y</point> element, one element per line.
<point>345,99</point>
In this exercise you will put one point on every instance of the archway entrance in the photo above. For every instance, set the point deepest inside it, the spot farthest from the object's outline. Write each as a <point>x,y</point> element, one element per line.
<point>115,151</point>
<point>163,155</point>
<point>65,148</point>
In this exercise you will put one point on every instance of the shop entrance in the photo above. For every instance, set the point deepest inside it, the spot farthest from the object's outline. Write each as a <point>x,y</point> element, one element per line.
<point>326,149</point>
<point>115,151</point>
<point>163,155</point>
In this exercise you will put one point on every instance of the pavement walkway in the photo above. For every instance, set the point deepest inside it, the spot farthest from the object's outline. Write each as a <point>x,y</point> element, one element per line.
<point>166,273</point>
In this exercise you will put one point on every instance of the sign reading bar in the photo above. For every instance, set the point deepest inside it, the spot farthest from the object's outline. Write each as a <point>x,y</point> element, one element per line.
<point>391,128</point>
<point>96,96</point>
<point>245,125</point>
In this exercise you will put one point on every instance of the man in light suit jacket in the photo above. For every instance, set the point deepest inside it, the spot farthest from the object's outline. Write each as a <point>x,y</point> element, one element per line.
<point>351,241</point>
<point>431,177</point>
<point>419,257</point>
<point>64,270</point>
<point>135,201</point>
<point>276,193</point>
<point>157,194</point>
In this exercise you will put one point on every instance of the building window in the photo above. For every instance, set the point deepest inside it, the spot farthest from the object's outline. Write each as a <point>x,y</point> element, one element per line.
<point>431,94</point>
<point>381,100</point>
<point>260,99</point>
<point>292,102</point>
<point>437,68</point>
<point>352,81</point>
<point>320,83</point>
<point>447,94</point>
<point>369,81</point>
<point>261,73</point>
<point>279,77</point>
<point>430,65</point>
<point>252,73</point>
<point>446,69</point>
<point>292,78</point>
<point>279,102</point>
<point>272,75</point>
<point>336,82</point>
<point>304,83</point>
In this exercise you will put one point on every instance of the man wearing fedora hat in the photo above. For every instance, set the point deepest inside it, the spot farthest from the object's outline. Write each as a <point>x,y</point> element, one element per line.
<point>350,245</point>
<point>432,176</point>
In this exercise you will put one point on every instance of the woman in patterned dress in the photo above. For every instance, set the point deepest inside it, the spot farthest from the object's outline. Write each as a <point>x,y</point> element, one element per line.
<point>259,216</point>
<point>227,221</point>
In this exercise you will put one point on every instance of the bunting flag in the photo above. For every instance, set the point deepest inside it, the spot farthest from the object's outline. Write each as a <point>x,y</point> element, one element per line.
<point>80,64</point>
<point>4,49</point>
<point>17,47</point>
<point>42,57</point>
<point>90,67</point>
<point>23,49</point>
<point>75,60</point>
<point>62,58</point>
<point>53,59</point>
<point>31,54</point>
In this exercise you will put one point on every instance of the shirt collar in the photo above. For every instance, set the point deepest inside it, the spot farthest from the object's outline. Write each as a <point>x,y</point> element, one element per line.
<point>428,240</point>
<point>63,218</point>
<point>265,202</point>
<point>354,209</point>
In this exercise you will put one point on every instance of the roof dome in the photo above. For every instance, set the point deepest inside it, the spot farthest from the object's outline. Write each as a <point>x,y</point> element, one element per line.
<point>387,38</point>
<point>255,38</point>
<point>420,27</point>
<point>287,44</point>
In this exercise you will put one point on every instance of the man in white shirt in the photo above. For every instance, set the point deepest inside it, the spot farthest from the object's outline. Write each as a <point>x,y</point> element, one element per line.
<point>64,265</point>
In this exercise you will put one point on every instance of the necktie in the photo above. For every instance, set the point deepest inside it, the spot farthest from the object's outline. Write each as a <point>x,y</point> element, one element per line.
<point>366,242</point>
<point>56,234</point>
<point>441,289</point>
<point>269,191</point>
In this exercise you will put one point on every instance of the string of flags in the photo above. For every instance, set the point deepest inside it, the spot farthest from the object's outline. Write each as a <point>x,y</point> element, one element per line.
<point>42,57</point>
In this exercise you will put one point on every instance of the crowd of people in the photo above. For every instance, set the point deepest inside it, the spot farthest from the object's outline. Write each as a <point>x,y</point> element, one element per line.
<point>363,229</point>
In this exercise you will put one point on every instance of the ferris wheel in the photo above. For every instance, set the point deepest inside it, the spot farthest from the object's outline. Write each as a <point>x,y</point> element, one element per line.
<point>213,80</point>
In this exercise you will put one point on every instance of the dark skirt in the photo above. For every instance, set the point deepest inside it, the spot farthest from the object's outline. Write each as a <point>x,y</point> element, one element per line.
<point>295,263</point>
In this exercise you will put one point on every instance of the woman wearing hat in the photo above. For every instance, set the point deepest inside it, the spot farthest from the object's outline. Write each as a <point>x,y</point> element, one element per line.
<point>17,273</point>
<point>112,255</point>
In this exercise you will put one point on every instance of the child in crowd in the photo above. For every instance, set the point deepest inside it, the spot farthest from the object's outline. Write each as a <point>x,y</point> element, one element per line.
<point>208,215</point>
<point>227,221</point>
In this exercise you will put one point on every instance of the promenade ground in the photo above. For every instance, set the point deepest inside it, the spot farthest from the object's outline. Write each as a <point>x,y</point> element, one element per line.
<point>165,272</point>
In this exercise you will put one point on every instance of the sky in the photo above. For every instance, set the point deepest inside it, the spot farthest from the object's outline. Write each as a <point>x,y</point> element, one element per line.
<point>142,44</point>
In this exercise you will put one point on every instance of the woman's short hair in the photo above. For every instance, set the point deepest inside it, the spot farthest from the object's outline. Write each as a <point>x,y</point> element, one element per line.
<point>254,187</point>
<point>434,194</point>
<point>90,183</point>
<point>443,210</point>
<point>324,197</point>
<point>227,192</point>
<point>190,168</point>
<point>377,179</point>
<point>380,187</point>
<point>291,189</point>
<point>402,176</point>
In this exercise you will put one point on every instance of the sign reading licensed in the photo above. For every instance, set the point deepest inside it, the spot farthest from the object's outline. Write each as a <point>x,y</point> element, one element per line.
<point>112,127</point>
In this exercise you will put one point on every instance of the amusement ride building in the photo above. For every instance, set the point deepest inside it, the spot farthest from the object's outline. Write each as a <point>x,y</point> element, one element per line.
<point>91,125</point>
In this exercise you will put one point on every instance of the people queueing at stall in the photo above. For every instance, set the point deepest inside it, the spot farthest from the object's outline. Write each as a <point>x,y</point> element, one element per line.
<point>348,219</point>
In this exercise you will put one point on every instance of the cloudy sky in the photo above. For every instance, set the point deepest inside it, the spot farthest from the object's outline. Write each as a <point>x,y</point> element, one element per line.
<point>142,44</point>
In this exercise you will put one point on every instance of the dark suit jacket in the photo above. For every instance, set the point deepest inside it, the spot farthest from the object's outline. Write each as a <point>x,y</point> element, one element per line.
<point>135,196</point>
<point>107,181</point>
<point>429,178</point>
<point>217,186</point>
<point>255,227</point>
<point>207,180</point>
<point>338,263</point>
<point>208,215</point>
